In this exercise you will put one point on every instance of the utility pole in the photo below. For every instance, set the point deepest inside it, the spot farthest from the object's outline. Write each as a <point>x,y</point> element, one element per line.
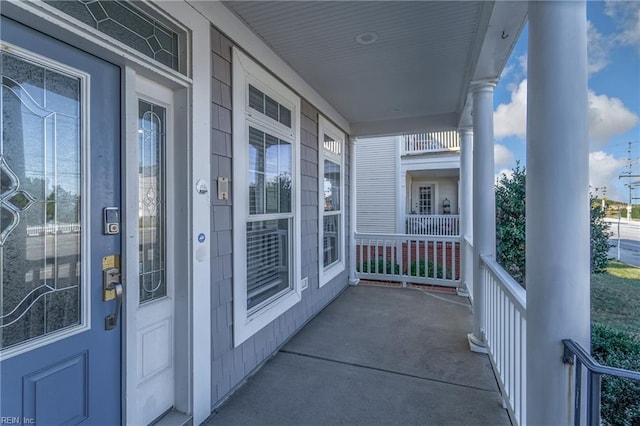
<point>630,185</point>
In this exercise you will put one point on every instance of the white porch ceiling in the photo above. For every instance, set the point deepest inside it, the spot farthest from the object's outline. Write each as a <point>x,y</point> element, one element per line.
<point>414,77</point>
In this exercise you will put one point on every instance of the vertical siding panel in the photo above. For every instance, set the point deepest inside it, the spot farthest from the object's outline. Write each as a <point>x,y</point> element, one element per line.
<point>376,185</point>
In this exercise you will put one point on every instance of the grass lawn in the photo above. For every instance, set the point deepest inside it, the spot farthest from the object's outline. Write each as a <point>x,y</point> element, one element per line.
<point>615,297</point>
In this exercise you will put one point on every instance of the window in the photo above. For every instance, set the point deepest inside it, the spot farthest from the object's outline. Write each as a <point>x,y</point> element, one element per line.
<point>331,165</point>
<point>266,202</point>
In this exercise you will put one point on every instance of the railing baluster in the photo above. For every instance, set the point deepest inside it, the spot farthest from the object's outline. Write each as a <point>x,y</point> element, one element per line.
<point>593,413</point>
<point>435,259</point>
<point>444,260</point>
<point>578,392</point>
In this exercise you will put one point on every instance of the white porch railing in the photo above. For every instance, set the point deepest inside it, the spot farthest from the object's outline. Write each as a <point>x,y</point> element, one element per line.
<point>505,325</point>
<point>447,225</point>
<point>422,143</point>
<point>408,258</point>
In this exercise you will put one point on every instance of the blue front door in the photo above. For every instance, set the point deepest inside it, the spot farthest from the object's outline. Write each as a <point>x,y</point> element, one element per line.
<point>59,169</point>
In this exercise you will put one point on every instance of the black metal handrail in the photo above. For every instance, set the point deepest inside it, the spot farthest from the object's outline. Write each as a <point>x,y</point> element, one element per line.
<point>573,352</point>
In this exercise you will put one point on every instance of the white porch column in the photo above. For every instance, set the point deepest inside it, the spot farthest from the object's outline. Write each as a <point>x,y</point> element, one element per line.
<point>484,204</point>
<point>353,280</point>
<point>401,227</point>
<point>557,176</point>
<point>466,207</point>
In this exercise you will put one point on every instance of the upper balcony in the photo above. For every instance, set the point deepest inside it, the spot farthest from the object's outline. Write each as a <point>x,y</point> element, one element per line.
<point>431,142</point>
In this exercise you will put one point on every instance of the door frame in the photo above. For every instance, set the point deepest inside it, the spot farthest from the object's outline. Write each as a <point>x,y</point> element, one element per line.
<point>192,118</point>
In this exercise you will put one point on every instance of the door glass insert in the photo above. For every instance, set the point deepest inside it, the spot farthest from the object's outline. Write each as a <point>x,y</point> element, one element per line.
<point>40,181</point>
<point>151,201</point>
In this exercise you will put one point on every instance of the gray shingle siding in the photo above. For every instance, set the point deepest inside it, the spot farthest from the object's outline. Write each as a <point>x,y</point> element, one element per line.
<point>231,365</point>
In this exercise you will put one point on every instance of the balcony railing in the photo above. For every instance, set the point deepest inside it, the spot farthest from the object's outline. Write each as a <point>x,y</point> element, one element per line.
<point>576,354</point>
<point>505,326</point>
<point>447,225</point>
<point>423,143</point>
<point>408,258</point>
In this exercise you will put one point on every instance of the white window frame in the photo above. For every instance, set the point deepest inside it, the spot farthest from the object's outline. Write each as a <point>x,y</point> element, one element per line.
<point>326,127</point>
<point>245,71</point>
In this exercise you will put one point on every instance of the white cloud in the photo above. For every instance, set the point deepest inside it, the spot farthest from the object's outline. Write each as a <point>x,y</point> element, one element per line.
<point>608,117</point>
<point>501,155</point>
<point>506,71</point>
<point>627,15</point>
<point>511,119</point>
<point>598,47</point>
<point>522,60</point>
<point>604,170</point>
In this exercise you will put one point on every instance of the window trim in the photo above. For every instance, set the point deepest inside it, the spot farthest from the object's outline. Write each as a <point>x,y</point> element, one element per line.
<point>328,273</point>
<point>245,71</point>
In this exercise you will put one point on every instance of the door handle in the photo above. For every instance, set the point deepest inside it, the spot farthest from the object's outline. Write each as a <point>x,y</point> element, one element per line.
<point>111,321</point>
<point>112,289</point>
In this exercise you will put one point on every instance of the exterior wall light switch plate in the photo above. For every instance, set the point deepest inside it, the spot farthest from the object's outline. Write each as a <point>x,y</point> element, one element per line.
<point>223,188</point>
<point>305,283</point>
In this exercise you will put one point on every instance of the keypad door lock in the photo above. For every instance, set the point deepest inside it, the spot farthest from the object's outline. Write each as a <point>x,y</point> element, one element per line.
<point>112,289</point>
<point>111,221</point>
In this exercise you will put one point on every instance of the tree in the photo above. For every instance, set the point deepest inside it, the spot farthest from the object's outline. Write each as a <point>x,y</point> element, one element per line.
<point>510,223</point>
<point>510,227</point>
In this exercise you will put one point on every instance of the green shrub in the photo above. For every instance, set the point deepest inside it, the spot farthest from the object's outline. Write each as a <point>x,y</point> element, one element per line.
<point>620,398</point>
<point>635,212</point>
<point>385,266</point>
<point>417,269</point>
<point>510,227</point>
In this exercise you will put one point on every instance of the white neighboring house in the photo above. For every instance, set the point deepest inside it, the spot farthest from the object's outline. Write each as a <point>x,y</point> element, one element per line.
<point>409,184</point>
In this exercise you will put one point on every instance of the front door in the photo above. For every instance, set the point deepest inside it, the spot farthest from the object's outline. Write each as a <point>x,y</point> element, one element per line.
<point>424,204</point>
<point>60,351</point>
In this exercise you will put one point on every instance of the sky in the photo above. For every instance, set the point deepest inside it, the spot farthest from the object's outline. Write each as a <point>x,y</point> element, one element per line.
<point>613,35</point>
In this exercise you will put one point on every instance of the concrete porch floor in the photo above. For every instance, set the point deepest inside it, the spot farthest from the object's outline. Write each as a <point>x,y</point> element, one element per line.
<point>375,356</point>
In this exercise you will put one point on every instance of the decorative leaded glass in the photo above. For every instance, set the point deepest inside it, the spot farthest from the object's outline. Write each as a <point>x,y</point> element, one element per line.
<point>40,241</point>
<point>127,24</point>
<point>151,201</point>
